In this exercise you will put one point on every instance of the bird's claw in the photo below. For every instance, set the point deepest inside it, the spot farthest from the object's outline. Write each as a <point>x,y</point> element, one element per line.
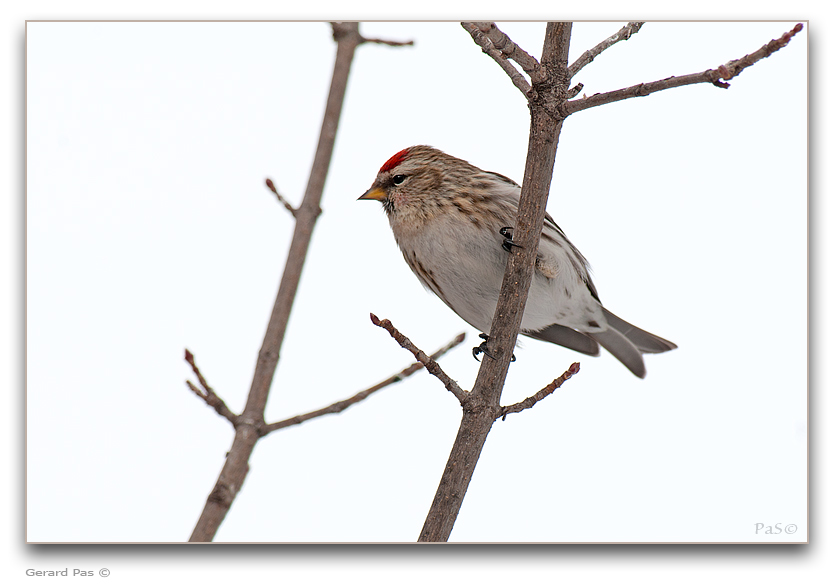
<point>482,348</point>
<point>507,234</point>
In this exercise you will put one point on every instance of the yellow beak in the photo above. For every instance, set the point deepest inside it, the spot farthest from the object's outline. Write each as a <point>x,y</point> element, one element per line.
<point>375,194</point>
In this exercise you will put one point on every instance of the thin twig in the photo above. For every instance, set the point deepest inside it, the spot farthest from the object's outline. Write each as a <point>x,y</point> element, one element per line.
<point>621,35</point>
<point>207,394</point>
<point>487,47</point>
<point>281,199</point>
<point>733,68</point>
<point>540,395</point>
<point>340,406</point>
<point>714,76</point>
<point>430,364</point>
<point>387,42</point>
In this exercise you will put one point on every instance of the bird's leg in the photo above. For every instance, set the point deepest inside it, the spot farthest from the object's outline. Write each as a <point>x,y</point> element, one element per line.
<point>507,234</point>
<point>482,348</point>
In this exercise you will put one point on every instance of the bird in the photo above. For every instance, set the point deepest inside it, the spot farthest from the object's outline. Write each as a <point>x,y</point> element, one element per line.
<point>452,222</point>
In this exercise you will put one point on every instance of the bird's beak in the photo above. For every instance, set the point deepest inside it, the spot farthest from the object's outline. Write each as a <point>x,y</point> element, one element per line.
<point>374,193</point>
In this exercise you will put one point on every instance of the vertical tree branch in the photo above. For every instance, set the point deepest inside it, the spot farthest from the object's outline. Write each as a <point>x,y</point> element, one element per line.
<point>483,406</point>
<point>252,418</point>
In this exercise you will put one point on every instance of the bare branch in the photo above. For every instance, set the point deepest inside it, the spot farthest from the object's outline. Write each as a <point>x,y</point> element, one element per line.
<point>483,402</point>
<point>340,406</point>
<point>389,43</point>
<point>548,109</point>
<point>574,91</point>
<point>733,68</point>
<point>236,465</point>
<point>509,49</point>
<point>540,395</point>
<point>207,394</point>
<point>714,76</point>
<point>430,364</point>
<point>341,29</point>
<point>621,35</point>
<point>281,199</point>
<point>487,47</point>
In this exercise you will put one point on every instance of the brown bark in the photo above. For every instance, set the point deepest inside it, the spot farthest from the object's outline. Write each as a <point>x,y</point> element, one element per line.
<point>718,77</point>
<point>251,420</point>
<point>547,94</point>
<point>549,89</point>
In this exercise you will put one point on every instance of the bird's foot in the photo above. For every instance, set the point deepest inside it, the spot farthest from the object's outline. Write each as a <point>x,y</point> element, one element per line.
<point>507,234</point>
<point>482,348</point>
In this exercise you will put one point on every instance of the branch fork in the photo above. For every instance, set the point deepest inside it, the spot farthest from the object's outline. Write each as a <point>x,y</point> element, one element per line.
<point>249,425</point>
<point>551,100</point>
<point>208,395</point>
<point>467,399</point>
<point>502,49</point>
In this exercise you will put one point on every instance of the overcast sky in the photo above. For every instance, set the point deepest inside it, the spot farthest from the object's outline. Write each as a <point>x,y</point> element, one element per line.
<point>149,230</point>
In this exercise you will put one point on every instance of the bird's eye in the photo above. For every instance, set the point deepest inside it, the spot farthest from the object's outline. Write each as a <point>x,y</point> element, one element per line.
<point>398,179</point>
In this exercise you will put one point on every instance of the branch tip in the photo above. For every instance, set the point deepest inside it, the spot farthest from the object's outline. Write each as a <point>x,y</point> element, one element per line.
<point>725,72</point>
<point>293,211</point>
<point>501,49</point>
<point>340,406</point>
<point>622,35</point>
<point>207,394</point>
<point>236,466</point>
<point>539,395</point>
<point>428,362</point>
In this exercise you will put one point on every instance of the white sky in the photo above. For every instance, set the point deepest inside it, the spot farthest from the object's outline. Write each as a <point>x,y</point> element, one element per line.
<point>150,230</point>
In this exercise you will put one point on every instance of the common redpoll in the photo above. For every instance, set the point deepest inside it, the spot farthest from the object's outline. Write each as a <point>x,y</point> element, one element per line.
<point>452,222</point>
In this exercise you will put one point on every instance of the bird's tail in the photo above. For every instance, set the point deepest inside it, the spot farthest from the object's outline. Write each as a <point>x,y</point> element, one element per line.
<point>628,343</point>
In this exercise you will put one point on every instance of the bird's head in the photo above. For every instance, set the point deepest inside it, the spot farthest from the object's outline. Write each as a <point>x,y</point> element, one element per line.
<point>411,181</point>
